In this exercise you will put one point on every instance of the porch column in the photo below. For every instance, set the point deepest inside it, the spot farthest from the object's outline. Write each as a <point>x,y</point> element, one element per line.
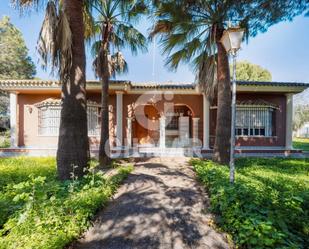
<point>119,101</point>
<point>162,132</point>
<point>13,119</point>
<point>184,125</point>
<point>289,122</point>
<point>129,132</point>
<point>195,131</point>
<point>206,106</point>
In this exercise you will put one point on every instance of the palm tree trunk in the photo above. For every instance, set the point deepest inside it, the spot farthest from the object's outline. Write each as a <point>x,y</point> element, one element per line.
<point>223,132</point>
<point>104,150</point>
<point>73,145</point>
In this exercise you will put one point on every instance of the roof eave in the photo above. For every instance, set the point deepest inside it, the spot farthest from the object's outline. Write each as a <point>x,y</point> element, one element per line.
<point>271,89</point>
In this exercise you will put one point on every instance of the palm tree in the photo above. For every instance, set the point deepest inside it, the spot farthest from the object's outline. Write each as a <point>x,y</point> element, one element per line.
<point>115,32</point>
<point>190,32</point>
<point>61,42</point>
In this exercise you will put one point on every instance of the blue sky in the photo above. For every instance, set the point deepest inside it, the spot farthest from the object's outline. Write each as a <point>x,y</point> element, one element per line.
<point>283,50</point>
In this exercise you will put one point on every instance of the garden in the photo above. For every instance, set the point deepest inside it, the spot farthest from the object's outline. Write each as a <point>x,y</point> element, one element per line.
<point>267,206</point>
<point>301,143</point>
<point>38,211</point>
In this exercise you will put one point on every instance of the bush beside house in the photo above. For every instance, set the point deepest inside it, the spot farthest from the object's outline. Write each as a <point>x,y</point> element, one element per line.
<point>38,211</point>
<point>267,207</point>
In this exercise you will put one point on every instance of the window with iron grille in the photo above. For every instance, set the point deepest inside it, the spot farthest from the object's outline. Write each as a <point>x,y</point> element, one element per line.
<point>254,121</point>
<point>49,119</point>
<point>93,118</point>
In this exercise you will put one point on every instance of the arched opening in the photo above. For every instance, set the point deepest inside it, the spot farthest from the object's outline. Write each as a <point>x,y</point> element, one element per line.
<point>146,125</point>
<point>179,126</point>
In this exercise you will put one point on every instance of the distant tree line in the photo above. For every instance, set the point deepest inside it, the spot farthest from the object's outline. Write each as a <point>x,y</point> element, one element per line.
<point>301,116</point>
<point>251,72</point>
<point>15,63</point>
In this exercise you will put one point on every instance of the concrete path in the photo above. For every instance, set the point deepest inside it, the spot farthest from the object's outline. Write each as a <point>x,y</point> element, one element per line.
<point>160,206</point>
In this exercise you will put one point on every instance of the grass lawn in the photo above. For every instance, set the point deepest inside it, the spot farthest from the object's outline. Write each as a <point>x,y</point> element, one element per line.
<point>301,143</point>
<point>38,211</point>
<point>267,207</point>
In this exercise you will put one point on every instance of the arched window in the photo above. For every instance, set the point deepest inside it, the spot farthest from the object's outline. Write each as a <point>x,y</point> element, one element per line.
<point>49,117</point>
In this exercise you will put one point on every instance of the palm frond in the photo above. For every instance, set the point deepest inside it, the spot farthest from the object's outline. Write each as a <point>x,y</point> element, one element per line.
<point>206,73</point>
<point>134,40</point>
<point>117,64</point>
<point>55,41</point>
<point>188,35</point>
<point>89,23</point>
<point>175,58</point>
<point>116,32</point>
<point>64,45</point>
<point>47,44</point>
<point>95,48</point>
<point>161,27</point>
<point>132,10</point>
<point>29,5</point>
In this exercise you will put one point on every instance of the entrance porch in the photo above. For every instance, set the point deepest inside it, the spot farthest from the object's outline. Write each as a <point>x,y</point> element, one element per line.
<point>159,122</point>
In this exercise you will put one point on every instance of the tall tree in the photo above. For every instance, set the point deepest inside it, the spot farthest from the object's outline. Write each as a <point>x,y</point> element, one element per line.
<point>191,31</point>
<point>15,63</point>
<point>251,72</point>
<point>115,30</point>
<point>61,43</point>
<point>301,116</point>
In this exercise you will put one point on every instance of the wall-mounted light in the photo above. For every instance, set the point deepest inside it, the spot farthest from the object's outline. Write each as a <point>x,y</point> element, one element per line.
<point>30,109</point>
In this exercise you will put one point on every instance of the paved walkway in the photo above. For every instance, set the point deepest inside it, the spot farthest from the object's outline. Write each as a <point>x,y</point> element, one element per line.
<point>160,206</point>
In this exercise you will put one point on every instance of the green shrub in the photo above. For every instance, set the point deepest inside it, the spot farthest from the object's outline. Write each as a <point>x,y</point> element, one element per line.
<point>5,139</point>
<point>16,170</point>
<point>48,213</point>
<point>267,207</point>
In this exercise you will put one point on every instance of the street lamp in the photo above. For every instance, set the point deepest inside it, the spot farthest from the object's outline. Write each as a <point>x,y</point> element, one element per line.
<point>231,40</point>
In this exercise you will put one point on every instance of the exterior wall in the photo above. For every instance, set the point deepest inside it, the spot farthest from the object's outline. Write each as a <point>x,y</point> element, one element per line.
<point>96,97</point>
<point>280,121</point>
<point>194,102</point>
<point>27,118</point>
<point>28,121</point>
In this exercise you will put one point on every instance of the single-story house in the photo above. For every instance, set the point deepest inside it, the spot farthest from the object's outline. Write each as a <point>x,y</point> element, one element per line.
<point>150,118</point>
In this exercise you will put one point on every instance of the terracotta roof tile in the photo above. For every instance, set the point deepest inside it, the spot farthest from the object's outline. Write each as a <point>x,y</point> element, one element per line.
<point>270,83</point>
<point>11,84</point>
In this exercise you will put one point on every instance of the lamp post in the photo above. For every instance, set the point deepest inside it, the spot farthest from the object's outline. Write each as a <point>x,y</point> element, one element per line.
<point>231,41</point>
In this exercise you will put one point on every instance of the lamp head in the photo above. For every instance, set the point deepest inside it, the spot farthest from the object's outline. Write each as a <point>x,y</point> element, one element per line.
<point>232,38</point>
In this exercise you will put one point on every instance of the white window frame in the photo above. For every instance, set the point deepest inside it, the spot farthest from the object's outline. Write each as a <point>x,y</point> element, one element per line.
<point>48,120</point>
<point>254,121</point>
<point>93,119</point>
<point>52,122</point>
